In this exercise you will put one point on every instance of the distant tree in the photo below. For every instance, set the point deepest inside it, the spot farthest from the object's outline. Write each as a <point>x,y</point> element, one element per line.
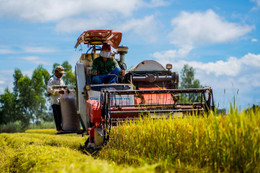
<point>39,83</point>
<point>54,67</point>
<point>7,107</point>
<point>28,102</point>
<point>69,77</point>
<point>188,81</point>
<point>17,75</point>
<point>188,78</point>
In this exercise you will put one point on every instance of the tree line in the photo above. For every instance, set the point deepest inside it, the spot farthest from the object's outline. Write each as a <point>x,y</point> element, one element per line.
<point>29,103</point>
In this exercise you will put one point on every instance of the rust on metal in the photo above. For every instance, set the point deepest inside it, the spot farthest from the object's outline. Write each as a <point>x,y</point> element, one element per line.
<point>98,37</point>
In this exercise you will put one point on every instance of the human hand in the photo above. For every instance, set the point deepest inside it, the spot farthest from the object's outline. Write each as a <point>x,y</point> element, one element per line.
<point>95,73</point>
<point>61,91</point>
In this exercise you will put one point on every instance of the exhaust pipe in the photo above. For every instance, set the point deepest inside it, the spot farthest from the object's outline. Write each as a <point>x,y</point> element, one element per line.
<point>122,50</point>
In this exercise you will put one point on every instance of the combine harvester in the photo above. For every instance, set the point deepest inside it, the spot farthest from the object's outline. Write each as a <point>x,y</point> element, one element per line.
<point>147,89</point>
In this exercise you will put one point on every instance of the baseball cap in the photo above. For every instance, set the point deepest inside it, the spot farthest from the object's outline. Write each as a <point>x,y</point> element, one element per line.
<point>106,47</point>
<point>60,69</point>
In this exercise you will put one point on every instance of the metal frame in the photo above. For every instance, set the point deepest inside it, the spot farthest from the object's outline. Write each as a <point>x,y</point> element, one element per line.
<point>108,110</point>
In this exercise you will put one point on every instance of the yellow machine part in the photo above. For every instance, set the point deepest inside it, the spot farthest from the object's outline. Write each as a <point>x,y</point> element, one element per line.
<point>98,137</point>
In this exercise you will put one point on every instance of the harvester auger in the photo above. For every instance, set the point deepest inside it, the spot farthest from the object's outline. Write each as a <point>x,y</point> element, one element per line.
<point>148,89</point>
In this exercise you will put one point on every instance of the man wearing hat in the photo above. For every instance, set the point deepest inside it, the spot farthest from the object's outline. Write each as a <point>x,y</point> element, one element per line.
<point>55,96</point>
<point>104,68</point>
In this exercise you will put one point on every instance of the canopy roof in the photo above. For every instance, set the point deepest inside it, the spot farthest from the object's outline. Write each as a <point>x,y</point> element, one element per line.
<point>148,65</point>
<point>98,37</point>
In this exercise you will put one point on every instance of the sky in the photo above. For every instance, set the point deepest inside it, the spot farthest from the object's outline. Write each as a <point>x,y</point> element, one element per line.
<point>220,39</point>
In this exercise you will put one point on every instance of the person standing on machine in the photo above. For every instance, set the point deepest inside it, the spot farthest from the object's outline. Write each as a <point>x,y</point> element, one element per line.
<point>55,95</point>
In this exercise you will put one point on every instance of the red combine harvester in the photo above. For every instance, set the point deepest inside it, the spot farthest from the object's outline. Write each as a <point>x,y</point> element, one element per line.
<point>147,89</point>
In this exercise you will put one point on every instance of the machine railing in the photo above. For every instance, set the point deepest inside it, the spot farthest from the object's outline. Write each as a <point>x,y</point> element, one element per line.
<point>124,104</point>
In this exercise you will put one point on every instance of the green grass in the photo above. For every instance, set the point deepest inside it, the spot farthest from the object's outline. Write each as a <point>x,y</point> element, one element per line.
<point>42,125</point>
<point>11,127</point>
<point>16,126</point>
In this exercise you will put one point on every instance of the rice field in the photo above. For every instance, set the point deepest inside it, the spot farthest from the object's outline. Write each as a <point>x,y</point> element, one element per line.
<point>227,143</point>
<point>32,152</point>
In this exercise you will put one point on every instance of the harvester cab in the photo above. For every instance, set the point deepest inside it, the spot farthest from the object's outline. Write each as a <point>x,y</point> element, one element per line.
<point>148,89</point>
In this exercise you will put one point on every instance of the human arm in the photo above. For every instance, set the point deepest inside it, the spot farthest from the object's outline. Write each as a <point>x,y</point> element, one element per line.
<point>115,63</point>
<point>50,90</point>
<point>53,82</point>
<point>94,70</point>
<point>122,72</point>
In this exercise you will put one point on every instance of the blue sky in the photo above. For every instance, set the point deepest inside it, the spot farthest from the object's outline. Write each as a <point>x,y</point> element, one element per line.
<point>220,39</point>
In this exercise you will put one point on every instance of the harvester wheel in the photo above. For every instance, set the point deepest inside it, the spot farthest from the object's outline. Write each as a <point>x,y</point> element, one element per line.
<point>86,149</point>
<point>90,148</point>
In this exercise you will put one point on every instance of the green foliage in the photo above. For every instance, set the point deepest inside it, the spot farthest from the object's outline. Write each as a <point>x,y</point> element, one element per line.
<point>69,76</point>
<point>17,75</point>
<point>40,79</point>
<point>188,78</point>
<point>188,81</point>
<point>7,105</point>
<point>42,125</point>
<point>28,100</point>
<point>54,67</point>
<point>11,127</point>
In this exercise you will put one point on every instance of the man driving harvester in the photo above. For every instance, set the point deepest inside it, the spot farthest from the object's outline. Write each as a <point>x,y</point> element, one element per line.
<point>105,69</point>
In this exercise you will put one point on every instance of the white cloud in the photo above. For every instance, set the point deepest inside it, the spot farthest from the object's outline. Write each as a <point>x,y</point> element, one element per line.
<point>203,28</point>
<point>234,77</point>
<point>79,24</point>
<point>257,2</point>
<point>254,40</point>
<point>49,10</point>
<point>231,67</point>
<point>27,49</point>
<point>6,77</point>
<point>71,16</point>
<point>39,50</point>
<point>6,80</point>
<point>172,54</point>
<point>35,60</point>
<point>200,28</point>
<point>251,60</point>
<point>145,27</point>
<point>156,3</point>
<point>8,51</point>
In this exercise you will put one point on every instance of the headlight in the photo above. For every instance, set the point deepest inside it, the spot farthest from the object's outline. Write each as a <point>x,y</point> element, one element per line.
<point>168,67</point>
